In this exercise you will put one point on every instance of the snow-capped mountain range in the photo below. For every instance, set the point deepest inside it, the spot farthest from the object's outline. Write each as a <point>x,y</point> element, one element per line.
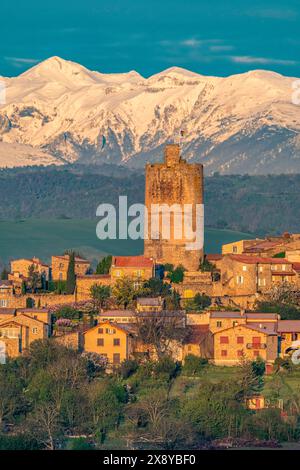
<point>59,112</point>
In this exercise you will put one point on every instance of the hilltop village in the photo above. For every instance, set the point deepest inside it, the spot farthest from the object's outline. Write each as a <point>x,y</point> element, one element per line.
<point>221,307</point>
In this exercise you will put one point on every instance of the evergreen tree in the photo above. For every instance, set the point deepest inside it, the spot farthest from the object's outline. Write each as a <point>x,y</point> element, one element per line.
<point>4,274</point>
<point>104,265</point>
<point>71,278</point>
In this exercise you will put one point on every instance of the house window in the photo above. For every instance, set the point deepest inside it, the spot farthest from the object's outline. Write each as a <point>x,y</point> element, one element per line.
<point>240,353</point>
<point>118,273</point>
<point>110,331</point>
<point>3,303</point>
<point>283,267</point>
<point>261,282</point>
<point>294,336</point>
<point>219,324</point>
<point>240,340</point>
<point>260,269</point>
<point>224,340</point>
<point>34,331</point>
<point>244,268</point>
<point>116,342</point>
<point>240,280</point>
<point>234,249</point>
<point>100,342</point>
<point>223,353</point>
<point>100,331</point>
<point>256,340</point>
<point>235,323</point>
<point>116,358</point>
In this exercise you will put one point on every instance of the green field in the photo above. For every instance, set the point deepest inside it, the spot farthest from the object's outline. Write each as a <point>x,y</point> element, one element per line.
<point>42,238</point>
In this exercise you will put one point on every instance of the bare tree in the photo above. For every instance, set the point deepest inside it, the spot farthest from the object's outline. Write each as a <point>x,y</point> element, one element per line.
<point>162,330</point>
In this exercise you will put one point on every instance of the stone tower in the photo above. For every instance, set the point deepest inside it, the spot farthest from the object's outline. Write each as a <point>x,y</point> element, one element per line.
<point>173,182</point>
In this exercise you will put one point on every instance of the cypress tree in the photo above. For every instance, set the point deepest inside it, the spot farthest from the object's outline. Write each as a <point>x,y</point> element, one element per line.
<point>71,278</point>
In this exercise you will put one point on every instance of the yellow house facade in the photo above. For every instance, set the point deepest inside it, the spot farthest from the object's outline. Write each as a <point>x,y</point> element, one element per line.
<point>110,340</point>
<point>239,342</point>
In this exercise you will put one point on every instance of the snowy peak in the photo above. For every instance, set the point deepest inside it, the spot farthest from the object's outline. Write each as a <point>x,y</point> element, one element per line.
<point>241,123</point>
<point>57,69</point>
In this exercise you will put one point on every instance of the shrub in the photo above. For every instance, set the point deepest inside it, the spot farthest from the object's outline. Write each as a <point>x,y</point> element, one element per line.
<point>166,367</point>
<point>128,367</point>
<point>79,443</point>
<point>194,365</point>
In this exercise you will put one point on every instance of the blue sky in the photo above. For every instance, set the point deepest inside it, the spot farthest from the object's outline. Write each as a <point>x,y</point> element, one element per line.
<point>214,37</point>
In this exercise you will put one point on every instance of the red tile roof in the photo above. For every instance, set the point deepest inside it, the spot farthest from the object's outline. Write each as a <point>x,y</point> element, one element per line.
<point>132,262</point>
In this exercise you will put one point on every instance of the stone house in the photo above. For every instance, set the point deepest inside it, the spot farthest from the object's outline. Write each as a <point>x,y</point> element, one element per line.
<point>18,332</point>
<point>22,266</point>
<point>149,304</point>
<point>244,341</point>
<point>247,275</point>
<point>60,264</point>
<point>139,268</point>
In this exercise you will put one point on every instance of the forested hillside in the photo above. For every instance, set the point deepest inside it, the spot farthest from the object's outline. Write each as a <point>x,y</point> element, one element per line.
<point>256,204</point>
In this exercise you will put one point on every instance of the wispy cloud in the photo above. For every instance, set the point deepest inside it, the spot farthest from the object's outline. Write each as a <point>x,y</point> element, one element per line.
<point>221,48</point>
<point>245,59</point>
<point>273,13</point>
<point>20,61</point>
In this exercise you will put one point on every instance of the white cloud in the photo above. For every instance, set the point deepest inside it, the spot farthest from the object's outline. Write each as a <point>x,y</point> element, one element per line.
<point>191,43</point>
<point>19,61</point>
<point>261,60</point>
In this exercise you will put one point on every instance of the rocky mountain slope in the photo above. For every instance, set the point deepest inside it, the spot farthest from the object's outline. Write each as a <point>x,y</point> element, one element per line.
<point>244,123</point>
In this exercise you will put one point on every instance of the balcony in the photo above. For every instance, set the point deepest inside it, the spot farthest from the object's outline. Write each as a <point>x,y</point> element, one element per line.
<point>256,346</point>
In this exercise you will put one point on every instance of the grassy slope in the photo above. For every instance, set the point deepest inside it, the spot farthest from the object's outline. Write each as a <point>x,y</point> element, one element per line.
<point>38,237</point>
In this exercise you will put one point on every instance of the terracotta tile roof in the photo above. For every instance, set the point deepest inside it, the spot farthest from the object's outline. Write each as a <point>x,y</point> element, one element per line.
<point>288,326</point>
<point>5,283</point>
<point>259,315</point>
<point>258,259</point>
<point>225,315</point>
<point>33,310</point>
<point>116,313</point>
<point>132,262</point>
<point>7,311</point>
<point>262,246</point>
<point>266,328</point>
<point>127,329</point>
<point>296,267</point>
<point>214,257</point>
<point>152,301</point>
